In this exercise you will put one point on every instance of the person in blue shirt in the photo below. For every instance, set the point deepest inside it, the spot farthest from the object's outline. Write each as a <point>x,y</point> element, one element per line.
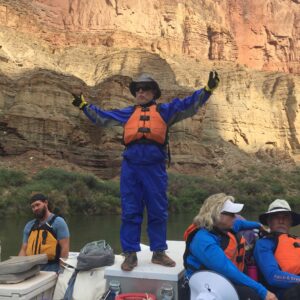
<point>143,181</point>
<point>278,254</point>
<point>46,234</point>
<point>214,244</point>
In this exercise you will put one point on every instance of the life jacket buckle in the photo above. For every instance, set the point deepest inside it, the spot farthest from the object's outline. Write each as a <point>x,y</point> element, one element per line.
<point>144,118</point>
<point>44,237</point>
<point>296,245</point>
<point>144,130</point>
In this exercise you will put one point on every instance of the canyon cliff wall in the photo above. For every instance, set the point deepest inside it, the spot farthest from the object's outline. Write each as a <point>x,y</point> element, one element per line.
<point>51,48</point>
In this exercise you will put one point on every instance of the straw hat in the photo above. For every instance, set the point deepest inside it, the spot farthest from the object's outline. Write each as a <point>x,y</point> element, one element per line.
<point>279,205</point>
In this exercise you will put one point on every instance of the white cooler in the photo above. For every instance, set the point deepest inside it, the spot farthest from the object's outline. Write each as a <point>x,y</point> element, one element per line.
<point>39,287</point>
<point>148,277</point>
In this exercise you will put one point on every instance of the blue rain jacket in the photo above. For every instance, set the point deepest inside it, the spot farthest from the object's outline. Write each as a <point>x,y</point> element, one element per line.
<point>206,251</point>
<point>266,261</point>
<point>172,113</point>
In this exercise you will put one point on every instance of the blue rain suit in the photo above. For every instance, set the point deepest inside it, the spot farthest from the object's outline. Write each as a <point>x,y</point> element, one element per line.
<point>206,252</point>
<point>144,178</point>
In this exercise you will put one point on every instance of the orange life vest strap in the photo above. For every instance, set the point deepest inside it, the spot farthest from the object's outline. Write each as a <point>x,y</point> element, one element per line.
<point>235,250</point>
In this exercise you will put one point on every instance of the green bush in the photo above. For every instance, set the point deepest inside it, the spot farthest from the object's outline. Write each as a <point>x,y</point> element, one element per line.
<point>75,193</point>
<point>12,178</point>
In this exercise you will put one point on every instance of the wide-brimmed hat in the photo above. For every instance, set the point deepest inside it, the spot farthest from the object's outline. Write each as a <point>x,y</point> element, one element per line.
<point>208,285</point>
<point>279,205</point>
<point>145,78</point>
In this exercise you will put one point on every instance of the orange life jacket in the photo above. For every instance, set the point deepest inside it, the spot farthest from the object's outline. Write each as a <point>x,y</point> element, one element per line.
<point>287,253</point>
<point>42,240</point>
<point>235,250</point>
<point>232,244</point>
<point>145,123</point>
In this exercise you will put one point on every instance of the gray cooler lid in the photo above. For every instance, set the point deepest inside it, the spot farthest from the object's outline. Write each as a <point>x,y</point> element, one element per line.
<point>19,264</point>
<point>19,277</point>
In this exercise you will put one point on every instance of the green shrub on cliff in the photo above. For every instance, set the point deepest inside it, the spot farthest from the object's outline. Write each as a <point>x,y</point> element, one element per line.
<point>74,193</point>
<point>11,178</point>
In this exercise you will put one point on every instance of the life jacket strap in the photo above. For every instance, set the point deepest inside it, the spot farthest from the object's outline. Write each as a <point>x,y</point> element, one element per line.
<point>144,130</point>
<point>239,259</point>
<point>144,118</point>
<point>240,246</point>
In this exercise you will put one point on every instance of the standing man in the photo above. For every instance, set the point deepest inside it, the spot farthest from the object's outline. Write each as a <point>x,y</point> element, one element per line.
<point>46,234</point>
<point>278,253</point>
<point>144,179</point>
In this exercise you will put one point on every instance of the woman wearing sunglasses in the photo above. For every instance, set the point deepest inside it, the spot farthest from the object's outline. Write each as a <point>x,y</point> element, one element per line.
<point>214,242</point>
<point>143,181</point>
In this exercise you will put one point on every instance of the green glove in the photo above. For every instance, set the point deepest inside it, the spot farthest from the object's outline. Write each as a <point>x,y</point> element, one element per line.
<point>213,82</point>
<point>79,101</point>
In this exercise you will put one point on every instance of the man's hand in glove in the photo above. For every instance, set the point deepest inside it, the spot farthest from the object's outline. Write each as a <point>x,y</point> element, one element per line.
<point>79,101</point>
<point>213,81</point>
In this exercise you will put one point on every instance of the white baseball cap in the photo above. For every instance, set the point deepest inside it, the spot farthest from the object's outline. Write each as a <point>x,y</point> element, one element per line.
<point>232,207</point>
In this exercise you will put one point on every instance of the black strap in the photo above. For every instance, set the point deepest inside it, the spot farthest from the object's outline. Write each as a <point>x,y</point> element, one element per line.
<point>144,118</point>
<point>52,220</point>
<point>144,130</point>
<point>169,154</point>
<point>240,246</point>
<point>240,259</point>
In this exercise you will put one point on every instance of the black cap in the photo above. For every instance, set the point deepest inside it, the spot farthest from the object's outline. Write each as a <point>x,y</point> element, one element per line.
<point>144,78</point>
<point>38,197</point>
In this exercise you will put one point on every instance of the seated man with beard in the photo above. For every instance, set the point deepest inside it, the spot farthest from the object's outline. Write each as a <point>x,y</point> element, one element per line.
<point>46,234</point>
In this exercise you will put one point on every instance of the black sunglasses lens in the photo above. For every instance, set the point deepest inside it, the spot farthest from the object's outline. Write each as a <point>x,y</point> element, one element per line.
<point>228,214</point>
<point>143,87</point>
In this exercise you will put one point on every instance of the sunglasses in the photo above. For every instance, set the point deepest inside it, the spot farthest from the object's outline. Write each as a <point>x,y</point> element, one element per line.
<point>143,87</point>
<point>228,214</point>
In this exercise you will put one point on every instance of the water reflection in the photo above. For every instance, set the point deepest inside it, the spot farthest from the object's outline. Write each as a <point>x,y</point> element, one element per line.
<point>86,229</point>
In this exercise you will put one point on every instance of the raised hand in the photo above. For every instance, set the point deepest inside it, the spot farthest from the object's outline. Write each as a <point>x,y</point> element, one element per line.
<point>213,81</point>
<point>79,101</point>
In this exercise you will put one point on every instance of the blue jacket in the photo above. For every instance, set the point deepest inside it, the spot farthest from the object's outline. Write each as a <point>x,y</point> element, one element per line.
<point>265,259</point>
<point>172,113</point>
<point>206,251</point>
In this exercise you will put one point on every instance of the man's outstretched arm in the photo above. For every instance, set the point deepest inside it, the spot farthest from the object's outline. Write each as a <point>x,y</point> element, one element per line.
<point>178,109</point>
<point>102,118</point>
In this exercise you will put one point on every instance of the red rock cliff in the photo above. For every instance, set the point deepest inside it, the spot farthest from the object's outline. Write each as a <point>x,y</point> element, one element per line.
<point>50,48</point>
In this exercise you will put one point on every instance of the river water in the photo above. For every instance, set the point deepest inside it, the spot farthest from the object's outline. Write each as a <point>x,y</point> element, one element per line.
<point>85,229</point>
